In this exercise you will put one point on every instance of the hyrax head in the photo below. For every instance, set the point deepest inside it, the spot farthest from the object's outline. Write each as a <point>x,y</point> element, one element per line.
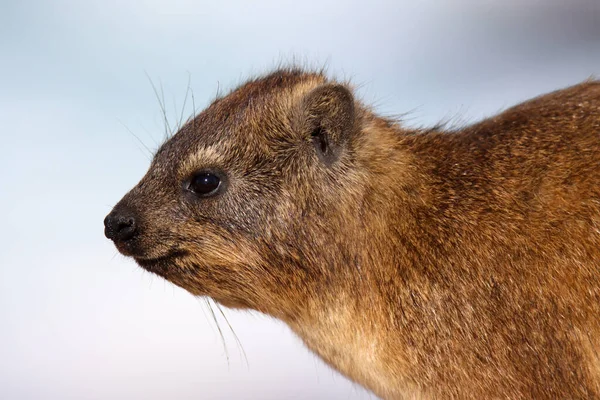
<point>243,203</point>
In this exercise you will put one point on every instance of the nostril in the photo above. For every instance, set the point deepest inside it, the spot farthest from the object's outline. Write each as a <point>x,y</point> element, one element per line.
<point>125,228</point>
<point>119,228</point>
<point>123,223</point>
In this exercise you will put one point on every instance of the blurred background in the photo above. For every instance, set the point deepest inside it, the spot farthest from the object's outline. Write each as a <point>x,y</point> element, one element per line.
<point>79,321</point>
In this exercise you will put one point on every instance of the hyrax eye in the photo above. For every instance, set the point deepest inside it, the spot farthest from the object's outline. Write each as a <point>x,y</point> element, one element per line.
<point>204,184</point>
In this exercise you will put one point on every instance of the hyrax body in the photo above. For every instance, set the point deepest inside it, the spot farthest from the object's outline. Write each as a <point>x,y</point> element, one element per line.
<point>418,263</point>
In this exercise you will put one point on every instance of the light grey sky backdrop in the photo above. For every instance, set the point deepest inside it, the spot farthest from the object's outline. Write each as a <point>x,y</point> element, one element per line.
<point>78,321</point>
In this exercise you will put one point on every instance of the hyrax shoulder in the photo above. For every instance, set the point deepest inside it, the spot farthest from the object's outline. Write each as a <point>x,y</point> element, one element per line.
<point>419,263</point>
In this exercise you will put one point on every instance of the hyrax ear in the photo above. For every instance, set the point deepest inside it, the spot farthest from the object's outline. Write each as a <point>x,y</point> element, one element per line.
<point>327,117</point>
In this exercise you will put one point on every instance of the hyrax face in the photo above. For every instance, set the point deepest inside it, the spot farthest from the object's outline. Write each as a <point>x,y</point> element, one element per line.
<point>230,205</point>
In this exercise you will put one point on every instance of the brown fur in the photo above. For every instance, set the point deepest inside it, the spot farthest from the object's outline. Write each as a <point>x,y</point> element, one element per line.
<point>419,263</point>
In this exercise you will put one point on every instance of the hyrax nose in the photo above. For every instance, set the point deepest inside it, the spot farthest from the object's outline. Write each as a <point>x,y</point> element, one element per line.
<point>120,225</point>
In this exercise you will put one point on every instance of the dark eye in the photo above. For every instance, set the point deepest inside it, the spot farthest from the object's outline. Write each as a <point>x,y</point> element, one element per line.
<point>204,184</point>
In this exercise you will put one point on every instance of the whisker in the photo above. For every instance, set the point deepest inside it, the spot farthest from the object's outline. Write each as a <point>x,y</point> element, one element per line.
<point>237,340</point>
<point>138,139</point>
<point>161,104</point>
<point>162,94</point>
<point>200,299</point>
<point>219,328</point>
<point>187,91</point>
<point>156,144</point>
<point>194,108</point>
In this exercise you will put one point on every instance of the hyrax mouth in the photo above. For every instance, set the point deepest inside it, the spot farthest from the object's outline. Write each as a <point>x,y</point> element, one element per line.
<point>162,263</point>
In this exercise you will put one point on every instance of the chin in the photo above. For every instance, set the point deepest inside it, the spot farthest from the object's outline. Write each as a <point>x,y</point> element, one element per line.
<point>160,265</point>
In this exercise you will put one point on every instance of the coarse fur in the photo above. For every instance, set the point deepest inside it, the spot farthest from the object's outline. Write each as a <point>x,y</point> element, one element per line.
<point>418,263</point>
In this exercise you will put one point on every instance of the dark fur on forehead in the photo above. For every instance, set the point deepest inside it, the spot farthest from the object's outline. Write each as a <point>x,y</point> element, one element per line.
<point>260,88</point>
<point>228,115</point>
<point>282,78</point>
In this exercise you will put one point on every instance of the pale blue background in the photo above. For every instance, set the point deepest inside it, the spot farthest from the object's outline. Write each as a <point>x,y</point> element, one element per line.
<point>78,321</point>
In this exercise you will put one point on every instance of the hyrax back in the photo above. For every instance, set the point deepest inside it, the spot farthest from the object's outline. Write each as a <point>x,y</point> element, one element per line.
<point>419,263</point>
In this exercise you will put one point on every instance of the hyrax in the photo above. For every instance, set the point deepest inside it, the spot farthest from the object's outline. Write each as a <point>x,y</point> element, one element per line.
<point>418,263</point>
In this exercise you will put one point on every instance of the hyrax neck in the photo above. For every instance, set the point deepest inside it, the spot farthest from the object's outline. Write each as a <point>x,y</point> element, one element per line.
<point>353,331</point>
<point>351,322</point>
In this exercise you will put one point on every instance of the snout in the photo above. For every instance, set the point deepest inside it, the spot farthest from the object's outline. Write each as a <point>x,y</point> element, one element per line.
<point>120,225</point>
<point>129,230</point>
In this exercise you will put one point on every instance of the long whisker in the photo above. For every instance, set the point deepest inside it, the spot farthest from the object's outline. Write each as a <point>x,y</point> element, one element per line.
<point>199,299</point>
<point>162,94</point>
<point>161,102</point>
<point>237,340</point>
<point>187,91</point>
<point>194,108</point>
<point>138,139</point>
<point>219,328</point>
<point>156,144</point>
